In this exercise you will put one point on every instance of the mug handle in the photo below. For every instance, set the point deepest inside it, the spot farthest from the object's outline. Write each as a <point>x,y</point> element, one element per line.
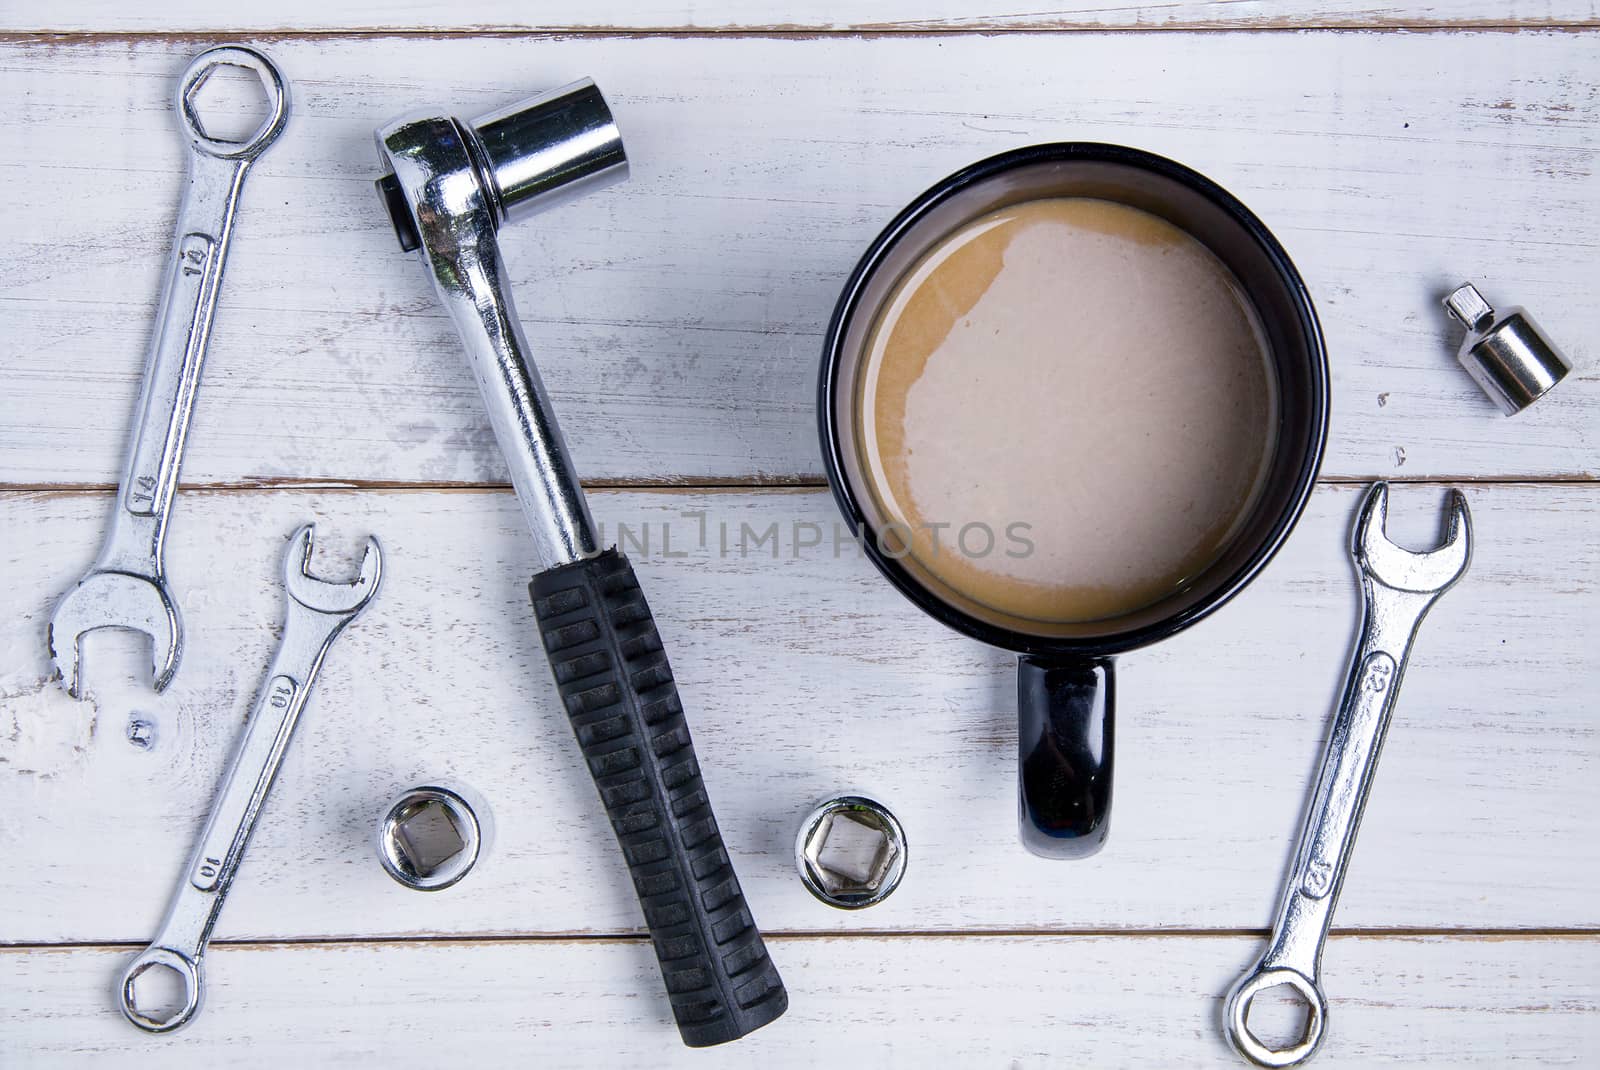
<point>1065,722</point>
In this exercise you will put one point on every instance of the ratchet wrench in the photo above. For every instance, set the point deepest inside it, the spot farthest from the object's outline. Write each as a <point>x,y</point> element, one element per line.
<point>127,587</point>
<point>318,612</point>
<point>1398,587</point>
<point>449,188</point>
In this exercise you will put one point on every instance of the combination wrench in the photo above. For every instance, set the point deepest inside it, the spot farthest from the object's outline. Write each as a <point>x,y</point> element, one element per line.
<point>318,612</point>
<point>1398,587</point>
<point>127,586</point>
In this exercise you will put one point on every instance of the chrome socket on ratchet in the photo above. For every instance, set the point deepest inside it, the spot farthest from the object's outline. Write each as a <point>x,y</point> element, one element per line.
<point>127,587</point>
<point>318,611</point>
<point>1398,587</point>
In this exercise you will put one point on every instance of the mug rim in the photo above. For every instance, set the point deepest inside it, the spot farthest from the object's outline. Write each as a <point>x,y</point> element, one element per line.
<point>832,447</point>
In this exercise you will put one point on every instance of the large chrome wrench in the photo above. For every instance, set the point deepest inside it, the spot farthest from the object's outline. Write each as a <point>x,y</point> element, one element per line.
<point>127,587</point>
<point>1398,587</point>
<point>318,612</point>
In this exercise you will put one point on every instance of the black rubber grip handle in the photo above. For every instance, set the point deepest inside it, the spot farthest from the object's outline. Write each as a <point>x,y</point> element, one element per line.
<point>619,693</point>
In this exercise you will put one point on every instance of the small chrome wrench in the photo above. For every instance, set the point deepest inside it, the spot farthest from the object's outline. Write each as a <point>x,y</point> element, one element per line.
<point>127,587</point>
<point>318,612</point>
<point>1398,587</point>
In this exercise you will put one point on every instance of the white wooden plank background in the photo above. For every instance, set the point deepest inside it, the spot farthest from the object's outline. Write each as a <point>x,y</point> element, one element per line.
<point>804,675</point>
<point>104,16</point>
<point>678,317</point>
<point>677,320</point>
<point>1030,1001</point>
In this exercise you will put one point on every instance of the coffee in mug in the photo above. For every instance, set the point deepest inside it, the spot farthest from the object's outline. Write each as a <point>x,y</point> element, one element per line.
<point>1067,409</point>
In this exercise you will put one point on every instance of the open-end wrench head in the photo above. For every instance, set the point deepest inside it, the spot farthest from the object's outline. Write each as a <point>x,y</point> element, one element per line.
<point>115,600</point>
<point>1392,565</point>
<point>326,596</point>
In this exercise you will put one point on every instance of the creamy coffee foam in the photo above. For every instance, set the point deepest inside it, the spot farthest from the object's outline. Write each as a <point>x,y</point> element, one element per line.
<point>1081,392</point>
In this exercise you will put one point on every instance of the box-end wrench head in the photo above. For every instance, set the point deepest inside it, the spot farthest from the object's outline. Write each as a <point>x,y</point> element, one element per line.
<point>207,63</point>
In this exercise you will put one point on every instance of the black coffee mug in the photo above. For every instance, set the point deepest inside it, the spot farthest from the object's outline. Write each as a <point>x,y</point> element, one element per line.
<point>1065,678</point>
